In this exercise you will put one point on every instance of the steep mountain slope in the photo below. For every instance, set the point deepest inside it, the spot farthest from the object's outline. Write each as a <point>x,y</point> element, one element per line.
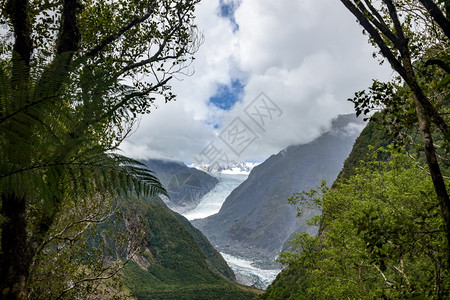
<point>288,284</point>
<point>186,186</point>
<point>256,220</point>
<point>178,261</point>
<point>373,136</point>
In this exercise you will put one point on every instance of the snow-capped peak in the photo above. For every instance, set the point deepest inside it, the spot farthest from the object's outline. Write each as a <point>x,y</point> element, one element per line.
<point>242,167</point>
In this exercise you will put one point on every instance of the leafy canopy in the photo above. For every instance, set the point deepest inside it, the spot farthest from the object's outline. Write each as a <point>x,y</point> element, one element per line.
<point>384,238</point>
<point>74,77</point>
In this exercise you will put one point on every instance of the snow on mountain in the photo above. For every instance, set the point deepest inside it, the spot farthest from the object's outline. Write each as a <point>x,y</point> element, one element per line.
<point>242,167</point>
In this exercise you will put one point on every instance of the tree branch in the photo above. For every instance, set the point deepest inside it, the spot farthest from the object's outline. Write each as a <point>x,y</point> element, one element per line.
<point>405,70</point>
<point>155,57</point>
<point>396,65</point>
<point>437,16</point>
<point>377,21</point>
<point>434,61</point>
<point>402,42</point>
<point>113,37</point>
<point>67,44</point>
<point>389,283</point>
<point>69,34</point>
<point>130,96</point>
<point>18,11</point>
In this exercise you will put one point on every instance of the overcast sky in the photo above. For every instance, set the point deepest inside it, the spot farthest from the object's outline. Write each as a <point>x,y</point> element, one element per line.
<point>269,74</point>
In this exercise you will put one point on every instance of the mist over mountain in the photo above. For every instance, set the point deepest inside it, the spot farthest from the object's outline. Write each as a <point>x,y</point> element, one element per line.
<point>256,220</point>
<point>185,186</point>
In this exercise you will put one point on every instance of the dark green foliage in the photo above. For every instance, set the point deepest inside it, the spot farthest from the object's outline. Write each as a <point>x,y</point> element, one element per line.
<point>181,262</point>
<point>384,239</point>
<point>373,137</point>
<point>146,285</point>
<point>65,109</point>
<point>290,284</point>
<point>85,242</point>
<point>215,261</point>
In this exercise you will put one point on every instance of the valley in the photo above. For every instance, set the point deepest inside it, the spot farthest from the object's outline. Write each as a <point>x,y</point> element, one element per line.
<point>256,221</point>
<point>224,149</point>
<point>246,215</point>
<point>246,271</point>
<point>211,202</point>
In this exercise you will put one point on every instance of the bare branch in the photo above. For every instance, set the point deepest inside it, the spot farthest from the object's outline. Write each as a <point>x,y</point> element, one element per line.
<point>381,25</point>
<point>389,283</point>
<point>396,65</point>
<point>437,16</point>
<point>400,270</point>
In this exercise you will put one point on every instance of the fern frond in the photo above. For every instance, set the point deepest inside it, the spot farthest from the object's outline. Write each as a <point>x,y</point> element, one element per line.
<point>52,138</point>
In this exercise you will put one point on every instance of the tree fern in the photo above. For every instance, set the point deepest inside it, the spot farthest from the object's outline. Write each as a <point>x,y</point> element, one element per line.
<point>49,142</point>
<point>57,147</point>
<point>64,109</point>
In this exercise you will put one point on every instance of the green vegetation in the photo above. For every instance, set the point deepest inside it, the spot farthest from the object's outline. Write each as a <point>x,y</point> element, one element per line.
<point>74,76</point>
<point>384,238</point>
<point>413,36</point>
<point>372,138</point>
<point>72,84</point>
<point>385,227</point>
<point>160,283</point>
<point>180,263</point>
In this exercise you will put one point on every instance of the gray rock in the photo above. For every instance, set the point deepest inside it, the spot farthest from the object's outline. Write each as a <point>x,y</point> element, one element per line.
<point>250,280</point>
<point>185,186</point>
<point>256,220</point>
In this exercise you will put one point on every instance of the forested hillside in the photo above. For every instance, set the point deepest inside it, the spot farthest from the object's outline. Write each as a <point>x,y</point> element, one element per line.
<point>386,220</point>
<point>177,261</point>
<point>87,90</point>
<point>382,235</point>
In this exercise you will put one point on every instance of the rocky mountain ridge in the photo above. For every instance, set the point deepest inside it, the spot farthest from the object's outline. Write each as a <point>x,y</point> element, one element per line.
<point>241,167</point>
<point>185,185</point>
<point>256,219</point>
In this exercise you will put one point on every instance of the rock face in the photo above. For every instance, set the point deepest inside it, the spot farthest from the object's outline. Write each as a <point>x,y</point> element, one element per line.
<point>249,280</point>
<point>185,186</point>
<point>256,220</point>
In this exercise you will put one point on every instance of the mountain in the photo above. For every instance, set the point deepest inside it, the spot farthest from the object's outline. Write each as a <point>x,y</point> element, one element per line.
<point>241,167</point>
<point>289,284</point>
<point>178,262</point>
<point>256,219</point>
<point>373,137</point>
<point>185,186</point>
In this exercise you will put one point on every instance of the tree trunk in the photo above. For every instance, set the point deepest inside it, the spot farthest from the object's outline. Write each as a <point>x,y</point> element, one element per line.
<point>14,255</point>
<point>428,146</point>
<point>435,171</point>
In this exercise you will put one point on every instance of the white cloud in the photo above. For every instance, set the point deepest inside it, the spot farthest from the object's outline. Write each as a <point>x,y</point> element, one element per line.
<point>308,56</point>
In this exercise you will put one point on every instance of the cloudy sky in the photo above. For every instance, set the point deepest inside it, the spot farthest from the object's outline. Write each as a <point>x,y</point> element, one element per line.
<point>269,74</point>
